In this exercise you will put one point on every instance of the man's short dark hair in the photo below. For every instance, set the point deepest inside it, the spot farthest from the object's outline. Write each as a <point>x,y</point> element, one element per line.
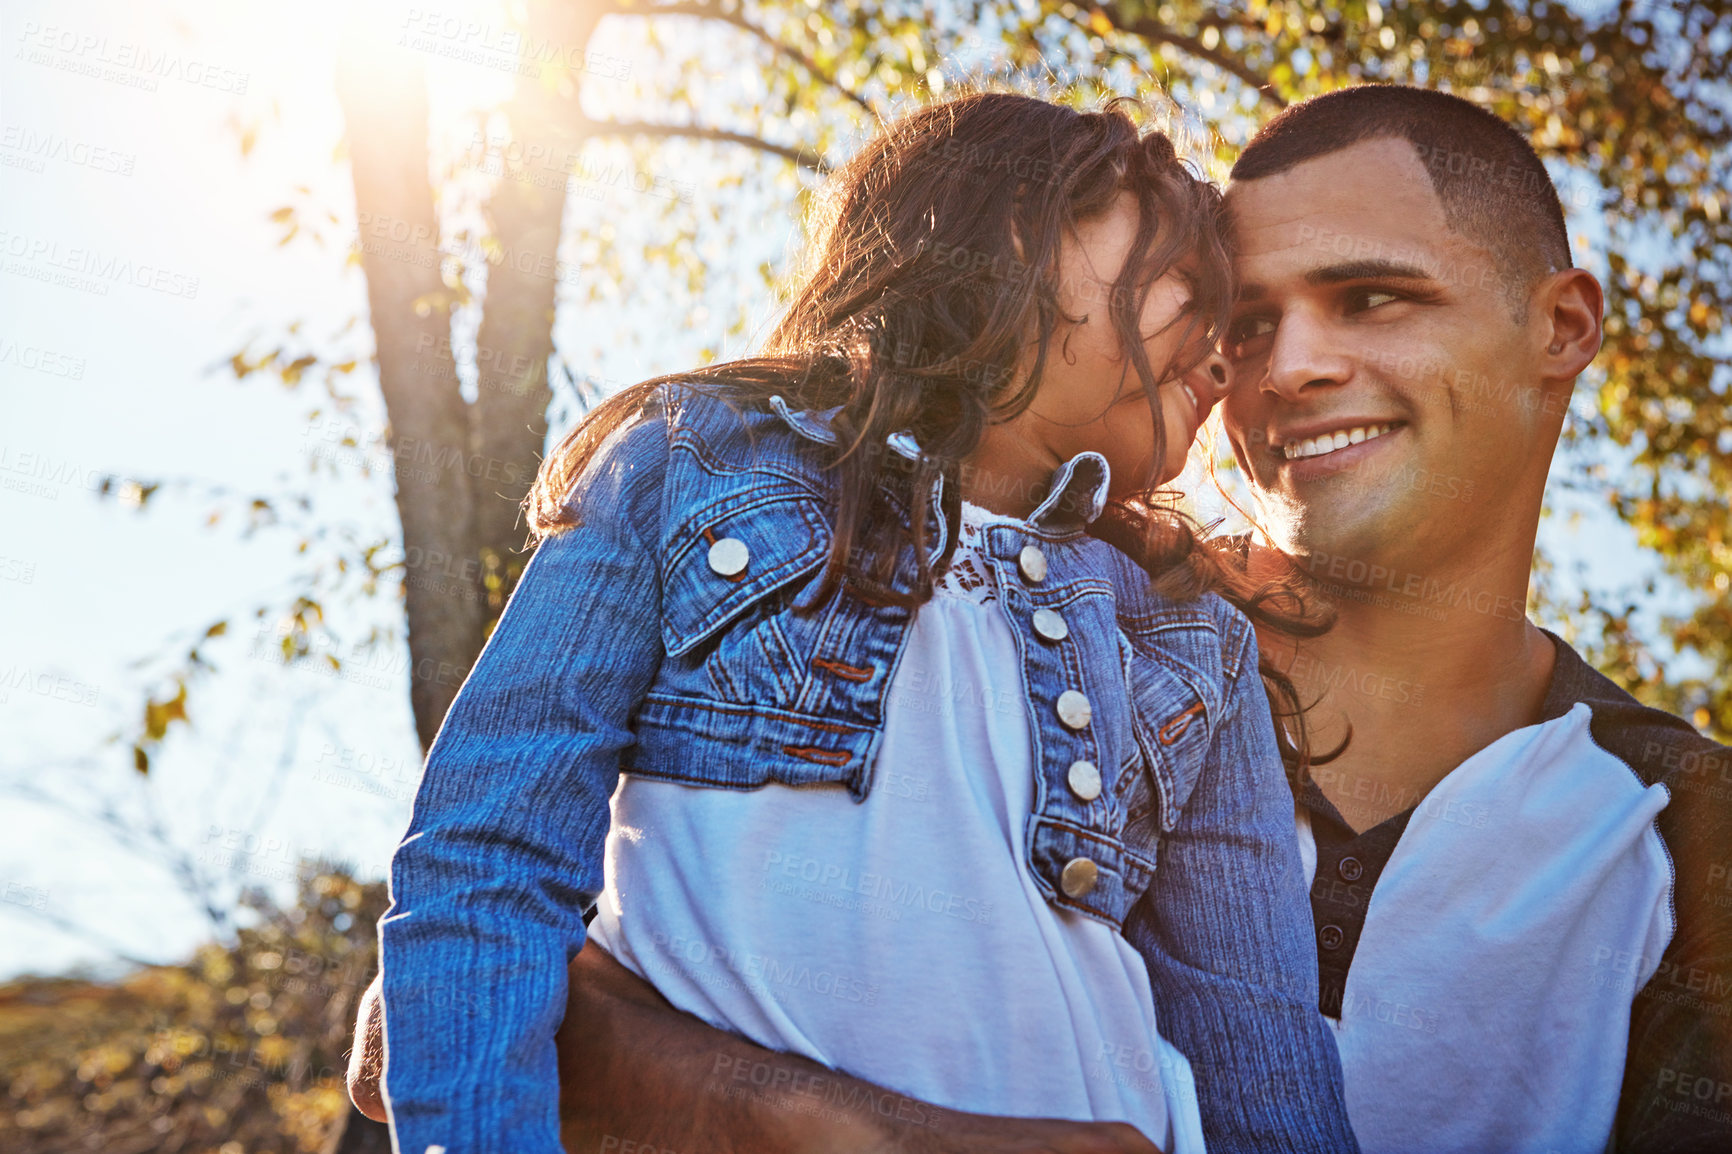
<point>1493,188</point>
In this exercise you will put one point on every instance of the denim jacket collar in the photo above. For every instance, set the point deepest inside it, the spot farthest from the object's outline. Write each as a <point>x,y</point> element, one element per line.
<point>1075,496</point>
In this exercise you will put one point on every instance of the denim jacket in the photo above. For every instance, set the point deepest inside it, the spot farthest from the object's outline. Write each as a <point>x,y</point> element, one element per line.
<point>659,638</point>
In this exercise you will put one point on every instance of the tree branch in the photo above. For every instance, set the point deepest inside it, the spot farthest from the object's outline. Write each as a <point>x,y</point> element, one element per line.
<point>95,937</point>
<point>1154,32</point>
<point>804,157</point>
<point>712,10</point>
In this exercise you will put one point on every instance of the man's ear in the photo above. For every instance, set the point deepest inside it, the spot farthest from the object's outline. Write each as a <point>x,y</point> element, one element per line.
<point>1569,308</point>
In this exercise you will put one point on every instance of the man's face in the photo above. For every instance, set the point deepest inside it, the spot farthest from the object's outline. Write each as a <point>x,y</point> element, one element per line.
<point>1385,402</point>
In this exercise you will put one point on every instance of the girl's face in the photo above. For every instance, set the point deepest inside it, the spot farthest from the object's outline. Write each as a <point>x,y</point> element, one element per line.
<point>1090,396</point>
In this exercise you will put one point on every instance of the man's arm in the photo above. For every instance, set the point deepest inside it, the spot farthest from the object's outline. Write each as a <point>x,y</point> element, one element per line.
<point>635,1070</point>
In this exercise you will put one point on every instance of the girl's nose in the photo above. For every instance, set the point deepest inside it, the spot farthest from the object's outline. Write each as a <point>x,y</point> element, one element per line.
<point>1215,375</point>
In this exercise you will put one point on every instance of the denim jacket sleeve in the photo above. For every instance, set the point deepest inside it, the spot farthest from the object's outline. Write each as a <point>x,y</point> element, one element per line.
<point>505,846</point>
<point>1225,928</point>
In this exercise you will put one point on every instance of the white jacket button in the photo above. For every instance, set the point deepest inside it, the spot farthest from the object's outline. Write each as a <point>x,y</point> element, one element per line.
<point>1074,709</point>
<point>729,556</point>
<point>1079,877</point>
<point>1084,780</point>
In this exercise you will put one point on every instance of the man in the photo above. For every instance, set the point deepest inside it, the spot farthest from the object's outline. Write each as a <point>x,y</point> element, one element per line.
<point>1522,880</point>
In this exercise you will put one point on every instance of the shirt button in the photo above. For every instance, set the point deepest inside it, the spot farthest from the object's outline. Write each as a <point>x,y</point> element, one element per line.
<point>1084,780</point>
<point>1074,709</point>
<point>729,556</point>
<point>1079,877</point>
<point>1331,937</point>
<point>1050,625</point>
<point>1032,562</point>
<point>1350,869</point>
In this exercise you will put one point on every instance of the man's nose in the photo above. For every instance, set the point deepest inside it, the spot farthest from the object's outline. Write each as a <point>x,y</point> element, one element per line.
<point>1304,354</point>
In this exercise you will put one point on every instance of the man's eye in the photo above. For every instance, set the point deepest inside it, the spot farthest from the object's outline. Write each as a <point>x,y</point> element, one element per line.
<point>1247,329</point>
<point>1359,300</point>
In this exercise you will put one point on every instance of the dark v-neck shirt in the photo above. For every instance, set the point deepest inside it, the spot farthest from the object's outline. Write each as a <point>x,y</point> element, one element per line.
<point>1538,955</point>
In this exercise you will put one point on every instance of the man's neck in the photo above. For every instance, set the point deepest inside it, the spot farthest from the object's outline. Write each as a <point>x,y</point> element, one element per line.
<point>1426,672</point>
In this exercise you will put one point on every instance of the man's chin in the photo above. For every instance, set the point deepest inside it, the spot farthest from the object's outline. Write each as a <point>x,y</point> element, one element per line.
<point>1332,546</point>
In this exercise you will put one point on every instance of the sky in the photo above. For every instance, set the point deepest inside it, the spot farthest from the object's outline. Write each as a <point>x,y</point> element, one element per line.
<point>136,255</point>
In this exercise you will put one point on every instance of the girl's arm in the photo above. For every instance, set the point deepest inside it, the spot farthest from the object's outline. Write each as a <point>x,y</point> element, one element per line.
<point>1226,931</point>
<point>504,849</point>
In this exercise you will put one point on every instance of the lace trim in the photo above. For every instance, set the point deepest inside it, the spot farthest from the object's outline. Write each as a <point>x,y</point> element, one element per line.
<point>970,576</point>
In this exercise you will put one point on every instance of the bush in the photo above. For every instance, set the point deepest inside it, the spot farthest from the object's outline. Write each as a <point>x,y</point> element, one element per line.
<point>242,1050</point>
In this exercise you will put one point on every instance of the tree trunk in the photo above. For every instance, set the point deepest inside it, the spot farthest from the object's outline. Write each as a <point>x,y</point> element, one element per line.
<point>383,93</point>
<point>461,470</point>
<point>516,334</point>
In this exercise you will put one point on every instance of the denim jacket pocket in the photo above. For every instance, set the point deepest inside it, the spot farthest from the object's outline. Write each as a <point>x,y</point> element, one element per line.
<point>731,556</point>
<point>726,710</point>
<point>1172,726</point>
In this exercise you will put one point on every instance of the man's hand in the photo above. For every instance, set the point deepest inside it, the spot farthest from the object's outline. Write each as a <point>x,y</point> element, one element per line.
<point>637,1074</point>
<point>367,1058</point>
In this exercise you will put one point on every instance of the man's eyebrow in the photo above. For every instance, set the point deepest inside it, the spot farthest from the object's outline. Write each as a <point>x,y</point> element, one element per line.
<point>1365,270</point>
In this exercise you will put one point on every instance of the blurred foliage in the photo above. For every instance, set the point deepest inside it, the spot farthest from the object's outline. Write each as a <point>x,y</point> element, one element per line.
<point>1628,102</point>
<point>242,1050</point>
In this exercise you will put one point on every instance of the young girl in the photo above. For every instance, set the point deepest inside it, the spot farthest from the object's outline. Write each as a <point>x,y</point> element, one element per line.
<point>922,777</point>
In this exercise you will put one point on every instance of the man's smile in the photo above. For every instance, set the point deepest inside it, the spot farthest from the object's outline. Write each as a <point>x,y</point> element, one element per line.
<point>1295,445</point>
